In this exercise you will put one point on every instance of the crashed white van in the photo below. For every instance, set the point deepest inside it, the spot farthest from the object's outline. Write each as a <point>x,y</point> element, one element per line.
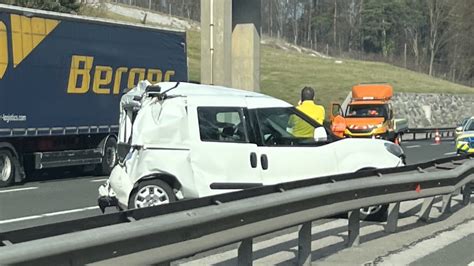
<point>187,140</point>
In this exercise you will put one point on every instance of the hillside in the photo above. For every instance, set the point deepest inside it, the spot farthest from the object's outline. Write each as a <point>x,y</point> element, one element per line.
<point>285,72</point>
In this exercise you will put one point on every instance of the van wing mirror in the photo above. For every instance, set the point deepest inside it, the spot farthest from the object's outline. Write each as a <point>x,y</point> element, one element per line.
<point>320,134</point>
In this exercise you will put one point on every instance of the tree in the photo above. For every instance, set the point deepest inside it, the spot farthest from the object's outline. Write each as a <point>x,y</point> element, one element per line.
<point>439,12</point>
<point>65,6</point>
<point>414,25</point>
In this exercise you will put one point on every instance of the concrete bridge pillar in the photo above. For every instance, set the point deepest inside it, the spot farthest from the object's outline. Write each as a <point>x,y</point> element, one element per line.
<point>230,43</point>
<point>216,42</point>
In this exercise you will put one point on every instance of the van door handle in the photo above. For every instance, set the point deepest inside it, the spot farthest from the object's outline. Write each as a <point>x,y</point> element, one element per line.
<point>264,161</point>
<point>253,160</point>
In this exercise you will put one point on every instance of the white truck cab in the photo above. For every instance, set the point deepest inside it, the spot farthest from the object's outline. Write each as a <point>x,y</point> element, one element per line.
<point>186,140</point>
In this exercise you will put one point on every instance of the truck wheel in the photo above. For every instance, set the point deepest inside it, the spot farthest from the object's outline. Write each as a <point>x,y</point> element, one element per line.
<point>152,192</point>
<point>7,168</point>
<point>109,159</point>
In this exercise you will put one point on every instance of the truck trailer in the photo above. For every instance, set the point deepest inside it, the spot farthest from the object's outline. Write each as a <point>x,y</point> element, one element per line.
<point>61,78</point>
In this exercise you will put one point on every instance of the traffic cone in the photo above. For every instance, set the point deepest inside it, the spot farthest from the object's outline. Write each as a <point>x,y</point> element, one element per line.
<point>437,138</point>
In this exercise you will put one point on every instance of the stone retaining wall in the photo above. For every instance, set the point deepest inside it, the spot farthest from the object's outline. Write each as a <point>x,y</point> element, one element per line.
<point>433,110</point>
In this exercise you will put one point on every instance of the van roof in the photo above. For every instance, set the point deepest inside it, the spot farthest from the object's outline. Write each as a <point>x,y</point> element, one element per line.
<point>364,92</point>
<point>368,102</point>
<point>212,92</point>
<point>192,89</point>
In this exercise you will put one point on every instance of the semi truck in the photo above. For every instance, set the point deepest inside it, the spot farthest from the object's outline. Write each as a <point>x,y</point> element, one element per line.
<point>369,114</point>
<point>61,78</point>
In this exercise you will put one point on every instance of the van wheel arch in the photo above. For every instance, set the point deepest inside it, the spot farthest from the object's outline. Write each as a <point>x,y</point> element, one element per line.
<point>169,179</point>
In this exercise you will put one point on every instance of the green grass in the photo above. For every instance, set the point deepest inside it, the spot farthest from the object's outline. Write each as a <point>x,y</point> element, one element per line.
<point>284,73</point>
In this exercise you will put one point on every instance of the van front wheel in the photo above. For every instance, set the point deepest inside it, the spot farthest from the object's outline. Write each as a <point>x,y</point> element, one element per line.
<point>149,193</point>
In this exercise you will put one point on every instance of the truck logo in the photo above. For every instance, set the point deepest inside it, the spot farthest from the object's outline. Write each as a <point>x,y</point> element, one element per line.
<point>84,75</point>
<point>3,49</point>
<point>26,33</point>
<point>107,80</point>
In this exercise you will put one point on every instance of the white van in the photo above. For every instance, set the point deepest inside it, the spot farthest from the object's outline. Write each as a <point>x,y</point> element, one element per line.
<point>187,140</point>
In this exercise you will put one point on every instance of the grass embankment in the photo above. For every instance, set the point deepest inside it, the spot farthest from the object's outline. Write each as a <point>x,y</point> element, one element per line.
<point>284,73</point>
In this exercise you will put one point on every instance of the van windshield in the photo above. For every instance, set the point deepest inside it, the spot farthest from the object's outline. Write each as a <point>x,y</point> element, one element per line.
<point>367,111</point>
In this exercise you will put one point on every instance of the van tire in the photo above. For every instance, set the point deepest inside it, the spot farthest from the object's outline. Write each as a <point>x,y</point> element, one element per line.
<point>379,216</point>
<point>152,192</point>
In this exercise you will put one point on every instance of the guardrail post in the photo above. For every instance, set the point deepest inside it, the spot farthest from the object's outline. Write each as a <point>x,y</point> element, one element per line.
<point>446,204</point>
<point>304,244</point>
<point>426,208</point>
<point>466,194</point>
<point>354,228</point>
<point>245,252</point>
<point>392,219</point>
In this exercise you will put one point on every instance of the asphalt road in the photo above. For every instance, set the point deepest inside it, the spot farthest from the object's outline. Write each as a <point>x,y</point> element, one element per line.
<point>458,253</point>
<point>421,151</point>
<point>60,195</point>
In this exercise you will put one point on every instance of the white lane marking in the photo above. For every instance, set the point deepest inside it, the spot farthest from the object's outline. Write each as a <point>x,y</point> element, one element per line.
<point>413,146</point>
<point>450,153</point>
<point>435,144</point>
<point>429,246</point>
<point>18,189</point>
<point>99,180</point>
<point>471,264</point>
<point>47,215</point>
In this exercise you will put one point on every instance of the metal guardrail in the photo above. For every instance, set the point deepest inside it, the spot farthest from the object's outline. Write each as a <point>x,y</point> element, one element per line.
<point>428,133</point>
<point>165,233</point>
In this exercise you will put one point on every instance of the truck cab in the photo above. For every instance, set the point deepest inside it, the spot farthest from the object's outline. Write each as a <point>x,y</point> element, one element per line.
<point>369,114</point>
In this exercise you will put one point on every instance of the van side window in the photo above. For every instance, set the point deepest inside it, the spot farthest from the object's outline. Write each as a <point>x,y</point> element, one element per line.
<point>222,124</point>
<point>285,127</point>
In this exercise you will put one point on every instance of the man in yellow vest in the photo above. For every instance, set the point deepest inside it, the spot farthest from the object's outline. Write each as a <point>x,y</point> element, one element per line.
<point>307,106</point>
